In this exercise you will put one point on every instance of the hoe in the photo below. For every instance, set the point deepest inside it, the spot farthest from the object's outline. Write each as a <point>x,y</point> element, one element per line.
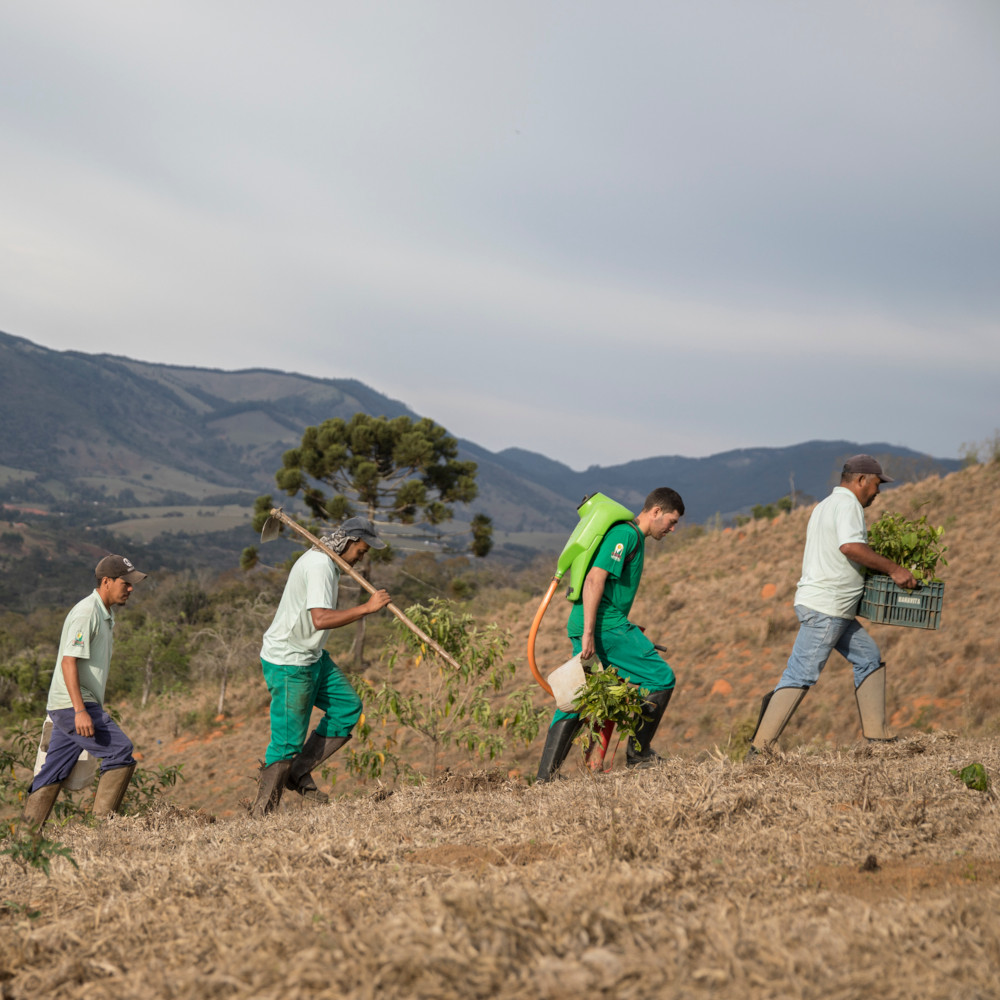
<point>271,530</point>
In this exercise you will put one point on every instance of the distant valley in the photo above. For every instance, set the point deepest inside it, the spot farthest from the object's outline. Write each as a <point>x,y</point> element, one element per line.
<point>185,450</point>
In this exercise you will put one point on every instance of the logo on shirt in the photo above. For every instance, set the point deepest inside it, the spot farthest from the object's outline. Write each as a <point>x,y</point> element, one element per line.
<point>616,556</point>
<point>78,641</point>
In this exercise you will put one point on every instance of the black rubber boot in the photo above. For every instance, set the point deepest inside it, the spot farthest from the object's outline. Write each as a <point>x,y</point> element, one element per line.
<point>270,785</point>
<point>317,749</point>
<point>638,752</point>
<point>557,743</point>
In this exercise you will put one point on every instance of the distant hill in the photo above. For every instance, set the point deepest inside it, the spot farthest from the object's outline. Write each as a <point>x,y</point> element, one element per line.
<point>113,433</point>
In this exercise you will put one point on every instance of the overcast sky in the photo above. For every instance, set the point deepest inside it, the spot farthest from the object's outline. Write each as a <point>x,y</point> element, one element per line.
<point>598,230</point>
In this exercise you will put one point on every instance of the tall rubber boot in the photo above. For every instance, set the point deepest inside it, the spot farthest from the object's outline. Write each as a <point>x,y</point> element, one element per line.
<point>270,785</point>
<point>557,743</point>
<point>637,751</point>
<point>39,804</point>
<point>111,790</point>
<point>317,749</point>
<point>776,709</point>
<point>870,694</point>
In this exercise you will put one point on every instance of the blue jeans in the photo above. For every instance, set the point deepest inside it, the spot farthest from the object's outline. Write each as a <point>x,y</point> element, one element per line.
<point>108,743</point>
<point>819,635</point>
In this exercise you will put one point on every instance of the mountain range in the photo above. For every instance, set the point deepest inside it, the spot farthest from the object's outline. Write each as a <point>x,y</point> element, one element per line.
<point>108,430</point>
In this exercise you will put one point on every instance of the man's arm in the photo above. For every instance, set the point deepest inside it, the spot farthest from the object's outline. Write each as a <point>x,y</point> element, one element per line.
<point>327,618</point>
<point>593,591</point>
<point>862,554</point>
<point>71,675</point>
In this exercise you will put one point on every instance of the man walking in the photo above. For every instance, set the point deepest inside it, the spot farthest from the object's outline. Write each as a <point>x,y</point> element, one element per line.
<point>598,624</point>
<point>300,673</point>
<point>76,697</point>
<point>826,601</point>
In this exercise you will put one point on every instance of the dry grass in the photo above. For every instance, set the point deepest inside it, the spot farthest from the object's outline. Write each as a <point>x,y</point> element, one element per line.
<point>701,879</point>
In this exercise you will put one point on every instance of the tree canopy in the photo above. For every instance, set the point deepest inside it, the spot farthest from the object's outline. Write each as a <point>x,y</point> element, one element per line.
<point>391,470</point>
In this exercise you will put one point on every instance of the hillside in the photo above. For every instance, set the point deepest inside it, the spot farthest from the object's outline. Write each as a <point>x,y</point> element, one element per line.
<point>122,437</point>
<point>836,868</point>
<point>862,873</point>
<point>721,604</point>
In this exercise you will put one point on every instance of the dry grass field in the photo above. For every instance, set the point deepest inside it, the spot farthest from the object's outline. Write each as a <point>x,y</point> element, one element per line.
<point>836,869</point>
<point>847,873</point>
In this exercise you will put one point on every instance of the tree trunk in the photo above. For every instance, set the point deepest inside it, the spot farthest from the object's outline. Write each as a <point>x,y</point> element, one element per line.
<point>147,683</point>
<point>222,692</point>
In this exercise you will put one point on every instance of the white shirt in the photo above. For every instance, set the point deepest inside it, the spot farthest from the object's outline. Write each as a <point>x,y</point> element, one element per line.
<point>831,583</point>
<point>292,639</point>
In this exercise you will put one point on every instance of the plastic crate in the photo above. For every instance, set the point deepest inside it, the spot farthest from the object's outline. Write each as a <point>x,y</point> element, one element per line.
<point>885,603</point>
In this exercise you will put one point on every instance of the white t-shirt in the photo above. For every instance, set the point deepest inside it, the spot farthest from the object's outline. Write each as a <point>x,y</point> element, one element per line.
<point>292,639</point>
<point>831,583</point>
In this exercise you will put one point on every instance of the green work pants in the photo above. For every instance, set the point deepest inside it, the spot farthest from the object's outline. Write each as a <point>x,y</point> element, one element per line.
<point>634,657</point>
<point>294,692</point>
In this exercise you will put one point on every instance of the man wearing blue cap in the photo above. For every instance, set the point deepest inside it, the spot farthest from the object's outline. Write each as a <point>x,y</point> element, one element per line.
<point>300,673</point>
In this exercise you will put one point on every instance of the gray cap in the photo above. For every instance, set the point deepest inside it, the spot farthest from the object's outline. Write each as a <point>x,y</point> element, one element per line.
<point>865,465</point>
<point>118,568</point>
<point>361,529</point>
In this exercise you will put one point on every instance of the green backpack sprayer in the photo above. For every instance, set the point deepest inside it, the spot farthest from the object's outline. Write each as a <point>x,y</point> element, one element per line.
<point>598,514</point>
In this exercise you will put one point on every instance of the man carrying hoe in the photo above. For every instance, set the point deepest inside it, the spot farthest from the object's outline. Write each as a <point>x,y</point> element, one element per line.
<point>598,623</point>
<point>833,577</point>
<point>76,696</point>
<point>299,672</point>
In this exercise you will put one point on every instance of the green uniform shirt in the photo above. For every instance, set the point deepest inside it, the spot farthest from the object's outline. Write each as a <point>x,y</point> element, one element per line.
<point>624,573</point>
<point>86,634</point>
<point>292,639</point>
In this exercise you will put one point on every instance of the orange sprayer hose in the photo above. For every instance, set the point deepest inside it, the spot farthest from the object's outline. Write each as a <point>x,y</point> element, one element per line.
<point>534,631</point>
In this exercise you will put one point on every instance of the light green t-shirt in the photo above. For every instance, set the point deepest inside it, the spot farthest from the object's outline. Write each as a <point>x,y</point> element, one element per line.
<point>621,554</point>
<point>86,635</point>
<point>292,640</point>
<point>830,582</point>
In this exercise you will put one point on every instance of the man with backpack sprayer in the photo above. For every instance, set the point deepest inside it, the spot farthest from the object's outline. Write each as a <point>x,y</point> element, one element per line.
<point>826,602</point>
<point>598,624</point>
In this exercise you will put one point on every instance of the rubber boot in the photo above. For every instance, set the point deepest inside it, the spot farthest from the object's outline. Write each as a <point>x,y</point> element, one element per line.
<point>637,751</point>
<point>270,785</point>
<point>870,694</point>
<point>317,749</point>
<point>111,790</point>
<point>557,743</point>
<point>39,804</point>
<point>776,708</point>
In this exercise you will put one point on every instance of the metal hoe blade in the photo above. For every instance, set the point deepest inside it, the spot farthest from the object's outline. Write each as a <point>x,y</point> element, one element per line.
<point>271,529</point>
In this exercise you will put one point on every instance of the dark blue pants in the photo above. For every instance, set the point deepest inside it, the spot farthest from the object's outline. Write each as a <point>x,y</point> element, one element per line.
<point>108,743</point>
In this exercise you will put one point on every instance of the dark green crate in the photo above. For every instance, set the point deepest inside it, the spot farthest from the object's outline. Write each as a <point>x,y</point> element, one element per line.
<point>885,603</point>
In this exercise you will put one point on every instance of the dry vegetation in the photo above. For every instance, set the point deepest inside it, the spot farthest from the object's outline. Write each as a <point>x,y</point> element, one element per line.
<point>838,869</point>
<point>820,875</point>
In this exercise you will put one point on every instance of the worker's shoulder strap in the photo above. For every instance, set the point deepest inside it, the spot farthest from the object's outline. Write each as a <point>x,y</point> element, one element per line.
<point>638,535</point>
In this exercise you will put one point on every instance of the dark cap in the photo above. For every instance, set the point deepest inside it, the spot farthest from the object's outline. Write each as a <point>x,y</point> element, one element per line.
<point>118,568</point>
<point>865,465</point>
<point>362,530</point>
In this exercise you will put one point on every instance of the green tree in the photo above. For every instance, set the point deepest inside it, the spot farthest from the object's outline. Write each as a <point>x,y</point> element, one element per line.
<point>390,470</point>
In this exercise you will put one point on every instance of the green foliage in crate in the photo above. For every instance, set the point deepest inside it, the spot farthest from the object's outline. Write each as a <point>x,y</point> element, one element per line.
<point>914,545</point>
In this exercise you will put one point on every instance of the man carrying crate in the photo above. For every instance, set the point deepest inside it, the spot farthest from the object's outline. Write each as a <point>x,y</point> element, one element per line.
<point>833,576</point>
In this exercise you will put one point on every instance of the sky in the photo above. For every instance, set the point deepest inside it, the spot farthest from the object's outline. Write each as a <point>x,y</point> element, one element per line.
<point>599,231</point>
